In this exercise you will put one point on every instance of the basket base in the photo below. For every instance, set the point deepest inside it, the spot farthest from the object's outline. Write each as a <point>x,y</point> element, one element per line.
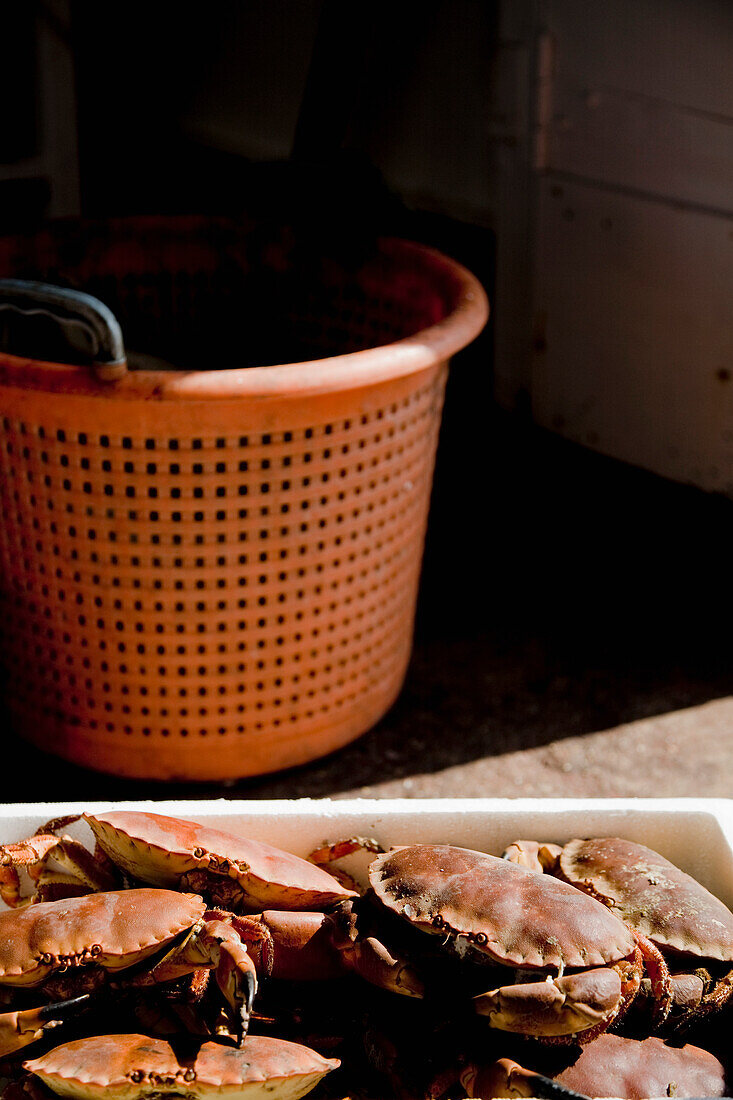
<point>212,758</point>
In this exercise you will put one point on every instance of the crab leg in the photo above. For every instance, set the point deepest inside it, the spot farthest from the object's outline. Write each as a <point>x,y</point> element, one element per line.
<point>57,823</point>
<point>34,853</point>
<point>10,886</point>
<point>536,855</point>
<point>217,946</point>
<point>291,946</point>
<point>31,854</point>
<point>18,1029</point>
<point>328,853</point>
<point>659,978</point>
<point>314,946</point>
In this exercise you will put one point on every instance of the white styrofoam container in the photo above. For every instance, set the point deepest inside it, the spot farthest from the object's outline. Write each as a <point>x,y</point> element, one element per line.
<point>696,834</point>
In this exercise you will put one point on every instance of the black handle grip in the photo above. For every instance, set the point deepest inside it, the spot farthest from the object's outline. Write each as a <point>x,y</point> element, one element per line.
<point>548,1089</point>
<point>40,321</point>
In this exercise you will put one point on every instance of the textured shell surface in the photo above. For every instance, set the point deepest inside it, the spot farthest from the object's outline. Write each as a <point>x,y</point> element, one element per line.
<point>138,1065</point>
<point>519,917</point>
<point>648,1067</point>
<point>113,928</point>
<point>159,849</point>
<point>657,898</point>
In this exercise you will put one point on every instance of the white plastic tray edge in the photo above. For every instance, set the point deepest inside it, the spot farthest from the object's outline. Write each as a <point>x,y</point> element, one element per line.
<point>696,833</point>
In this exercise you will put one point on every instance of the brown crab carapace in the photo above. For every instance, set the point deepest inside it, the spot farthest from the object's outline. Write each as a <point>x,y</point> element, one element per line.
<point>140,937</point>
<point>689,926</point>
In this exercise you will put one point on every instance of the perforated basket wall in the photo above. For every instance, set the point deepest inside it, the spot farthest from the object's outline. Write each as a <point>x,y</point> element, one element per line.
<point>212,573</point>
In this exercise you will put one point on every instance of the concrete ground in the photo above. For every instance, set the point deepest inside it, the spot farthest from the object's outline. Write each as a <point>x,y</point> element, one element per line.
<point>574,638</point>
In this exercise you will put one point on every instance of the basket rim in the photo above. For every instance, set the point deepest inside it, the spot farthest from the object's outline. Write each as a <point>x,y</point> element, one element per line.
<point>352,370</point>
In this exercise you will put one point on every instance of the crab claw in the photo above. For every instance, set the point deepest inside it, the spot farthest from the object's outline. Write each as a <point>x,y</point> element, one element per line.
<point>82,870</point>
<point>506,1078</point>
<point>216,945</point>
<point>292,946</point>
<point>372,961</point>
<point>19,1029</point>
<point>234,971</point>
<point>561,1006</point>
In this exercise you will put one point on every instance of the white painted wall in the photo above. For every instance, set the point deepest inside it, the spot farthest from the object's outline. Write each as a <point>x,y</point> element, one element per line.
<point>619,329</point>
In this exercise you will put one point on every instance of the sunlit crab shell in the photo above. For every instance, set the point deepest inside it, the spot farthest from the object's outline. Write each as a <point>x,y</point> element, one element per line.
<point>132,1067</point>
<point>581,966</point>
<point>648,892</point>
<point>518,919</point>
<point>489,910</point>
<point>238,873</point>
<point>73,946</point>
<point>691,928</point>
<point>112,930</point>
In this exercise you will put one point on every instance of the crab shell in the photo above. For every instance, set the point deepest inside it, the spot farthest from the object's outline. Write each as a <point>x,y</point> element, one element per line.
<point>166,851</point>
<point>611,1066</point>
<point>131,1067</point>
<point>113,930</point>
<point>656,898</point>
<point>512,915</point>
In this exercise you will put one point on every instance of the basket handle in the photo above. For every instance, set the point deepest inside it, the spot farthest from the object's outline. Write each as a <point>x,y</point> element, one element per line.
<point>82,327</point>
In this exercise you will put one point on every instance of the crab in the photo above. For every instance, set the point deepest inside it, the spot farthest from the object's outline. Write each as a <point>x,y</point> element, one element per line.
<point>577,966</point>
<point>73,947</point>
<point>80,872</point>
<point>690,926</point>
<point>231,872</point>
<point>133,1067</point>
<point>612,1066</point>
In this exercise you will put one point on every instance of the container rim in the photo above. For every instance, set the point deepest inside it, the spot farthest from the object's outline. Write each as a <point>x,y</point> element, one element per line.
<point>422,350</point>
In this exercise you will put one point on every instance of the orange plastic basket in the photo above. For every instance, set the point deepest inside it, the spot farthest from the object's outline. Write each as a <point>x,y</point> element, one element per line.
<point>211,572</point>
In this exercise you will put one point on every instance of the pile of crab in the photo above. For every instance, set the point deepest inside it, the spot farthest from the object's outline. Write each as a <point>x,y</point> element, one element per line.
<point>177,960</point>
